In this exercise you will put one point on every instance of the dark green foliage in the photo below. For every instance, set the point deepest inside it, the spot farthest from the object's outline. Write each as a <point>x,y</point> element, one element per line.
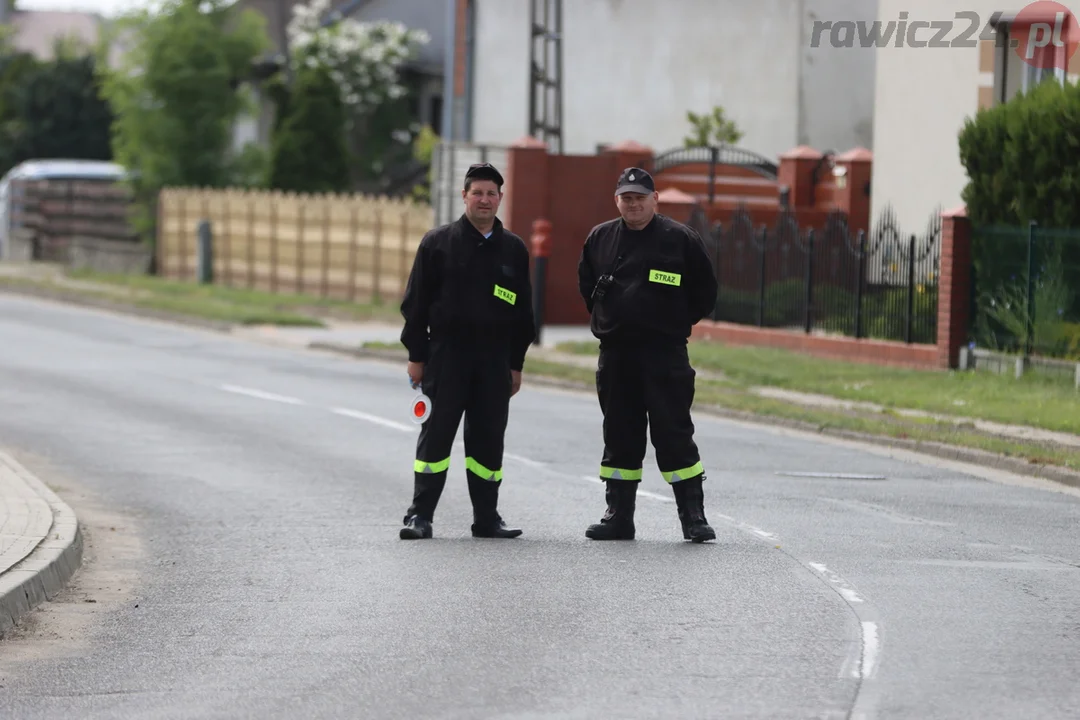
<point>62,115</point>
<point>1023,159</point>
<point>15,68</point>
<point>309,151</point>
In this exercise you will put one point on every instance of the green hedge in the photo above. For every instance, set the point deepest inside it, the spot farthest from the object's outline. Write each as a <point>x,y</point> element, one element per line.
<point>1023,159</point>
<point>309,153</point>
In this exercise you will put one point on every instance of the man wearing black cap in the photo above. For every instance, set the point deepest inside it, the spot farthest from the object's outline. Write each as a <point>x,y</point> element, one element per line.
<point>468,324</point>
<point>646,280</point>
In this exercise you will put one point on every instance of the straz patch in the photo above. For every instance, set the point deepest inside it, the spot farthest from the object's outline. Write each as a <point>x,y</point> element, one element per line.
<point>665,278</point>
<point>506,295</point>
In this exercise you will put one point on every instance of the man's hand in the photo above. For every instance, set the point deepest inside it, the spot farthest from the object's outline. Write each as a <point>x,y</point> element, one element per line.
<point>416,374</point>
<point>515,382</point>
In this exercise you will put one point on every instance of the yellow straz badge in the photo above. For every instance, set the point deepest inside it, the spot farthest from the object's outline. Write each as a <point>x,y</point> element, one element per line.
<point>665,278</point>
<point>506,295</point>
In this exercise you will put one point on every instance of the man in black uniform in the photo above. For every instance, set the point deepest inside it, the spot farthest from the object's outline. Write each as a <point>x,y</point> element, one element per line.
<point>646,279</point>
<point>468,324</point>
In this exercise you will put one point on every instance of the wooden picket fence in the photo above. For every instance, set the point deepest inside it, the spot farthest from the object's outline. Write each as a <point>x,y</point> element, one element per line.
<point>354,247</point>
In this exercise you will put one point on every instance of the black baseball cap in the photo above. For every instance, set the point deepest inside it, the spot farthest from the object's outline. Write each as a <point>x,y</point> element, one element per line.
<point>635,180</point>
<point>484,171</point>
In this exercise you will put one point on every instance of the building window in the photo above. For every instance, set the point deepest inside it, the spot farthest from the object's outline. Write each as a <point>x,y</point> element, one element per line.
<point>1013,74</point>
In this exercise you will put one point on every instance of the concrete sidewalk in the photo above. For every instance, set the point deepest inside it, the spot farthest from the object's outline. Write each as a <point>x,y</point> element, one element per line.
<point>40,542</point>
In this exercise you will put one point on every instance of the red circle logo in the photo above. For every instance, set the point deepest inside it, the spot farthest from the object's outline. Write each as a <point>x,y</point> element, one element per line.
<point>420,408</point>
<point>1045,35</point>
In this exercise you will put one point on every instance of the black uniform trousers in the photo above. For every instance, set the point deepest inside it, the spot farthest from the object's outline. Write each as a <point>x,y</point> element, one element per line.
<point>647,386</point>
<point>470,379</point>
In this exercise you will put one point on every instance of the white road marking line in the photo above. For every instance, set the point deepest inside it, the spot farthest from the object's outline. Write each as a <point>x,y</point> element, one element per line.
<point>891,515</point>
<point>261,394</point>
<point>845,590</point>
<point>871,648</point>
<point>656,496</point>
<point>863,664</point>
<point>644,493</point>
<point>524,460</point>
<point>746,527</point>
<point>356,414</point>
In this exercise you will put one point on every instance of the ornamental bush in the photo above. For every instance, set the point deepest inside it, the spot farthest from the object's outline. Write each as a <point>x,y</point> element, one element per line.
<point>1023,159</point>
<point>364,59</point>
<point>309,153</point>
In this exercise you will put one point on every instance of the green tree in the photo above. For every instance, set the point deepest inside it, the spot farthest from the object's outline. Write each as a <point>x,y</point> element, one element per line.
<point>15,68</point>
<point>62,114</point>
<point>177,95</point>
<point>710,129</point>
<point>1021,159</point>
<point>309,150</point>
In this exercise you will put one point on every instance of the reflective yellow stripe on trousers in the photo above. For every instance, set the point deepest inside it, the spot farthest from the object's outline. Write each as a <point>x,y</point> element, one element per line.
<point>482,472</point>
<point>431,468</point>
<point>684,474</point>
<point>611,473</point>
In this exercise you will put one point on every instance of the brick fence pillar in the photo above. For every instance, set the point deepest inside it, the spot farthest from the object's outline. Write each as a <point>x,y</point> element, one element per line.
<point>796,172</point>
<point>853,188</point>
<point>954,286</point>
<point>676,204</point>
<point>628,153</point>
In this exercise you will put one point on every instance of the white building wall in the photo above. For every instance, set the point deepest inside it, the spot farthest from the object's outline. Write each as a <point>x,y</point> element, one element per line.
<point>500,112</point>
<point>632,69</point>
<point>923,96</point>
<point>837,82</point>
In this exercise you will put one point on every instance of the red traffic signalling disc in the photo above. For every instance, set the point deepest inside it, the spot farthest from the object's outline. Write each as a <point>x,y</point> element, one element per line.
<point>421,408</point>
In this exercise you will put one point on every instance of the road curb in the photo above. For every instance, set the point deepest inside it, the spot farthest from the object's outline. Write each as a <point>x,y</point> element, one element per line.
<point>42,574</point>
<point>82,299</point>
<point>944,451</point>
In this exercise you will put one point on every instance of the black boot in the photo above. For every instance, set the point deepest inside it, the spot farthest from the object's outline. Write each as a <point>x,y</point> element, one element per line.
<point>427,489</point>
<point>690,500</point>
<point>487,523</point>
<point>618,521</point>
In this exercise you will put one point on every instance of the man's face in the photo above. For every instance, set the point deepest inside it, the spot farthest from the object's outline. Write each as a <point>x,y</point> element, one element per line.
<point>482,200</point>
<point>635,208</point>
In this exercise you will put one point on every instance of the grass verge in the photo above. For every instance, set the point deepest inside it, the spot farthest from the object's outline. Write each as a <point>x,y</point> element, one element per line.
<point>1038,401</point>
<point>727,396</point>
<point>219,303</point>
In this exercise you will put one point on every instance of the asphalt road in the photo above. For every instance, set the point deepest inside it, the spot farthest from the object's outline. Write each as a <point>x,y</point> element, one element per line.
<point>242,504</point>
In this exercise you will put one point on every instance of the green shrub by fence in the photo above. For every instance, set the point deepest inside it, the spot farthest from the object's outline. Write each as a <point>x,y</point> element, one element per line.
<point>1021,159</point>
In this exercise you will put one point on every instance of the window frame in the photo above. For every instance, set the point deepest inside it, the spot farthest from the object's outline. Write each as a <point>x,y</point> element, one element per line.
<point>1005,57</point>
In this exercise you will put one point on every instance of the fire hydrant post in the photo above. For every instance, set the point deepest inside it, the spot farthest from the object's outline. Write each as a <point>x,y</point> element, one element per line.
<point>541,249</point>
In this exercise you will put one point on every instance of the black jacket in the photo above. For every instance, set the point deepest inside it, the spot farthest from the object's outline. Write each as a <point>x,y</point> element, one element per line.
<point>470,288</point>
<point>664,281</point>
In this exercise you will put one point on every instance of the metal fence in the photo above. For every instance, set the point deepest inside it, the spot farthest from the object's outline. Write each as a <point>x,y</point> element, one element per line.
<point>449,161</point>
<point>827,280</point>
<point>1026,290</point>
